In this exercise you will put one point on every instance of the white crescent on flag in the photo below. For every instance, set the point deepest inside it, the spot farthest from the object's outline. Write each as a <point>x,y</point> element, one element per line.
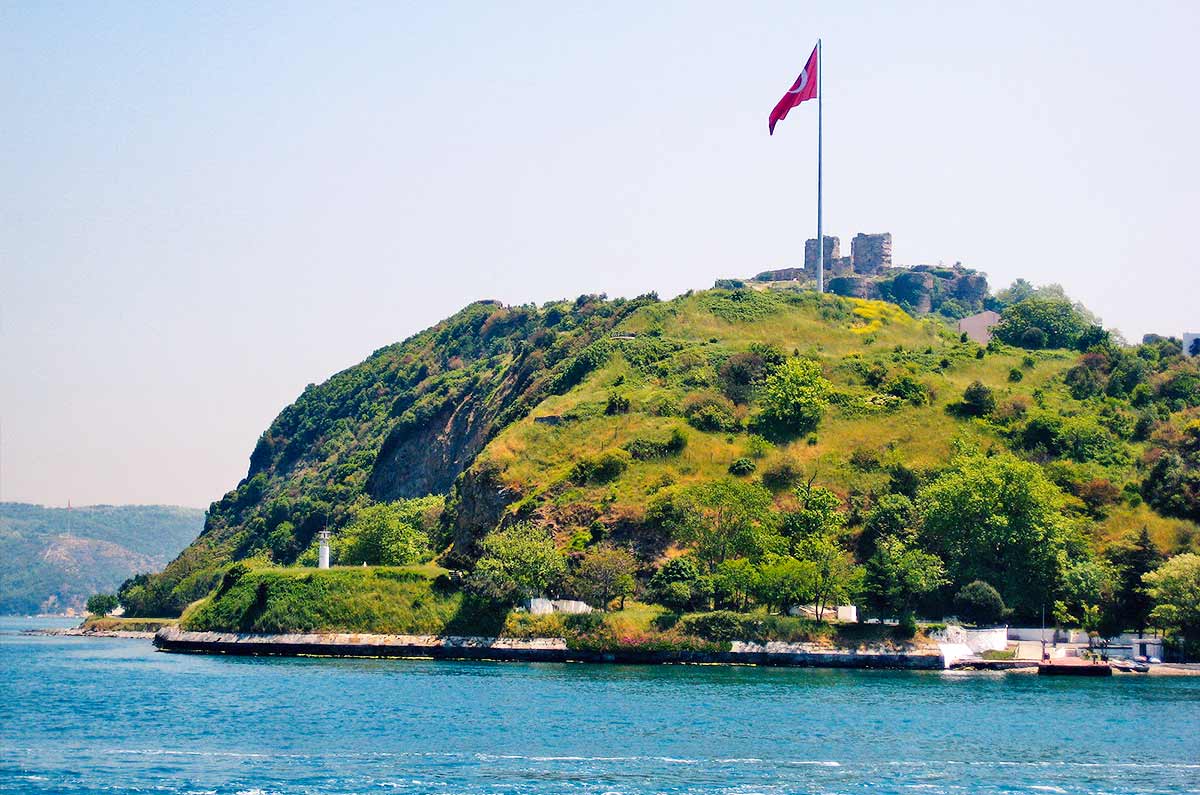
<point>800,85</point>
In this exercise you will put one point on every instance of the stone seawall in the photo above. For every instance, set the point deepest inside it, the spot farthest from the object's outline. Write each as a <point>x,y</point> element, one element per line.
<point>174,639</point>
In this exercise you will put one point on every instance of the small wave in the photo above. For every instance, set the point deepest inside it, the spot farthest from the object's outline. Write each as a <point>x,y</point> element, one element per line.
<point>176,752</point>
<point>1047,788</point>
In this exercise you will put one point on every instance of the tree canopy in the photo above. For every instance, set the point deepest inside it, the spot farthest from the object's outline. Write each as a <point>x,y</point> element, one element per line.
<point>997,519</point>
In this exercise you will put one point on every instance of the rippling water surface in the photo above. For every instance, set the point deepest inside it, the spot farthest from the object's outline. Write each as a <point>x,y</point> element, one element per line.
<point>87,716</point>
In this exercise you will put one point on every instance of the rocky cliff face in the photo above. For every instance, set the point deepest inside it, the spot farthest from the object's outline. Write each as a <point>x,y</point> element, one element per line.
<point>406,422</point>
<point>425,459</point>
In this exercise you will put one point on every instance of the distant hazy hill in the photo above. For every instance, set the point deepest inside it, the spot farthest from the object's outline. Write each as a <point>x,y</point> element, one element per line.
<point>55,559</point>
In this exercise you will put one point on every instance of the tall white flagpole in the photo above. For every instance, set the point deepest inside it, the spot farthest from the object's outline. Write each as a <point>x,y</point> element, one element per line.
<point>820,230</point>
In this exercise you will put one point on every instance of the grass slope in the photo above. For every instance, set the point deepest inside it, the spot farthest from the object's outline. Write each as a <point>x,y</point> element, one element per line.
<point>524,393</point>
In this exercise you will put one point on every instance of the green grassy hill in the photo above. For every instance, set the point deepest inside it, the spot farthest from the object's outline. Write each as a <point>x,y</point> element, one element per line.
<point>582,418</point>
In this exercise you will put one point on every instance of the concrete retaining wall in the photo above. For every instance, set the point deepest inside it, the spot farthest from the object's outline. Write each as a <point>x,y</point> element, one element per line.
<point>1051,634</point>
<point>976,640</point>
<point>534,649</point>
<point>542,607</point>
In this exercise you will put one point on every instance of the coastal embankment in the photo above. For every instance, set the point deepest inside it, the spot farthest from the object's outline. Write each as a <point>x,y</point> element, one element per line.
<point>774,653</point>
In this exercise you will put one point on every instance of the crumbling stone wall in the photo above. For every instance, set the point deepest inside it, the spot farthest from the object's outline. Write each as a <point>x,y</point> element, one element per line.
<point>871,253</point>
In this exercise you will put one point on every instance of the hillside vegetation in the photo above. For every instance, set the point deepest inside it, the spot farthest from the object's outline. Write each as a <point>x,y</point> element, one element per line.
<point>54,561</point>
<point>741,449</point>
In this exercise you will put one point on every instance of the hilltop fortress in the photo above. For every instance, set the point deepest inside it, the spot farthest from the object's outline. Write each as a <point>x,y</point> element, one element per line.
<point>869,273</point>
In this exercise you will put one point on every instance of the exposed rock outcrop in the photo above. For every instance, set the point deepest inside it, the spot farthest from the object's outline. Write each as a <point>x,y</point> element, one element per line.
<point>915,289</point>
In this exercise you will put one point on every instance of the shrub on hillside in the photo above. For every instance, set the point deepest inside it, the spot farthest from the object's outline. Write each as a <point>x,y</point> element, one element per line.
<point>978,400</point>
<point>781,475</point>
<point>601,468</point>
<point>742,466</point>
<point>740,374</point>
<point>647,449</point>
<point>710,412</point>
<point>795,395</point>
<point>717,625</point>
<point>866,460</point>
<point>907,388</point>
<point>758,447</point>
<point>617,404</point>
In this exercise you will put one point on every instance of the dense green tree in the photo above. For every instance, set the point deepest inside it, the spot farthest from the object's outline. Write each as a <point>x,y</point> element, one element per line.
<point>726,518</point>
<point>898,576</point>
<point>836,579</point>
<point>282,542</point>
<point>1061,322</point>
<point>1175,588</point>
<point>679,585</point>
<point>1087,584</point>
<point>1131,560</point>
<point>605,573</point>
<point>997,519</point>
<point>520,561</point>
<point>387,534</point>
<point>892,516</point>
<point>734,582</point>
<point>794,396</point>
<point>1019,290</point>
<point>783,582</point>
<point>102,604</point>
<point>819,514</point>
<point>979,603</point>
<point>1172,487</point>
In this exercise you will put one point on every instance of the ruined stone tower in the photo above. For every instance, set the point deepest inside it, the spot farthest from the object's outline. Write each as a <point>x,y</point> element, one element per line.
<point>869,253</point>
<point>833,251</point>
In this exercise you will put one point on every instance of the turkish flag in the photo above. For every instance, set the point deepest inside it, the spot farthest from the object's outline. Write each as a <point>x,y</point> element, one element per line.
<point>805,87</point>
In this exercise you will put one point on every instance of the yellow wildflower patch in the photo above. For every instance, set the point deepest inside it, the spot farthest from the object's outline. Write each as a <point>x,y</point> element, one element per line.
<point>873,315</point>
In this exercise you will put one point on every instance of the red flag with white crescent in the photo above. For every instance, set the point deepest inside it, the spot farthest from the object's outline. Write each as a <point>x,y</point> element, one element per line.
<point>805,87</point>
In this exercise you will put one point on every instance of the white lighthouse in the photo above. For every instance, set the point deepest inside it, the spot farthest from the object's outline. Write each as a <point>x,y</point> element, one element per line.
<point>323,553</point>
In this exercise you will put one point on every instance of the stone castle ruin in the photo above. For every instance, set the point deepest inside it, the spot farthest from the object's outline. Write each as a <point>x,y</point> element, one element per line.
<point>868,254</point>
<point>869,273</point>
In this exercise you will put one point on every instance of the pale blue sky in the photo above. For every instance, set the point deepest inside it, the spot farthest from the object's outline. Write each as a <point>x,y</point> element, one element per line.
<point>207,206</point>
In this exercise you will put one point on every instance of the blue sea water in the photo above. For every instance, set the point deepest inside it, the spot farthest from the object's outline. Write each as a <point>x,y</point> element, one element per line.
<point>84,715</point>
